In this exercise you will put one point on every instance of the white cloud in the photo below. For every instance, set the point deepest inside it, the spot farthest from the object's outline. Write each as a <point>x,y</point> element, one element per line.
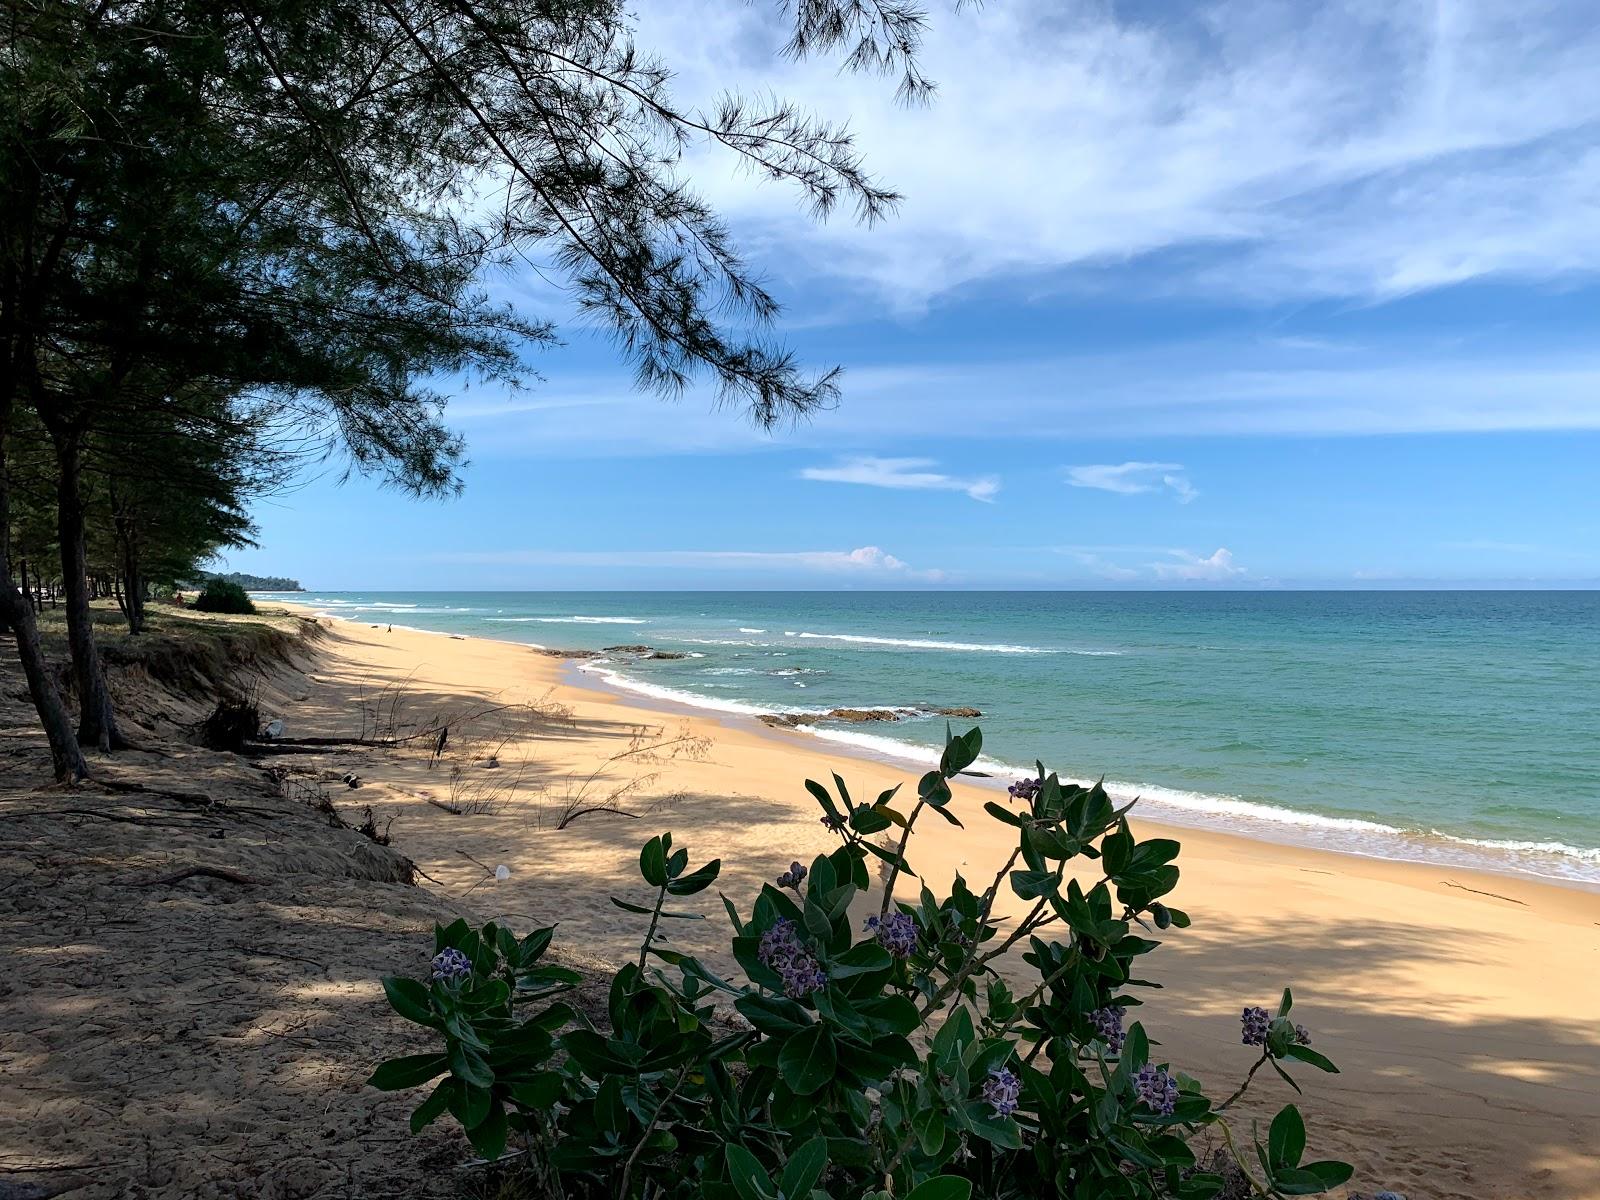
<point>902,473</point>
<point>1132,478</point>
<point>1191,567</point>
<point>1343,149</point>
<point>864,561</point>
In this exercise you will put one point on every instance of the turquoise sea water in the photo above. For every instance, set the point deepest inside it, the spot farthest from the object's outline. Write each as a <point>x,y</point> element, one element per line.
<point>1447,726</point>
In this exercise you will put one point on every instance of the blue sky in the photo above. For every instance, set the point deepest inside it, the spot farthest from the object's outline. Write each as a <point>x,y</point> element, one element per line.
<point>1234,294</point>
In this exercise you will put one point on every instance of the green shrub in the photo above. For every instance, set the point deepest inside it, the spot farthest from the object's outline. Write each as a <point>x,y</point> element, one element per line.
<point>223,596</point>
<point>897,1063</point>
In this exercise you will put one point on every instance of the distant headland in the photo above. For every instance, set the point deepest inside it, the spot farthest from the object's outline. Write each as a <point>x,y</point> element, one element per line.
<point>255,583</point>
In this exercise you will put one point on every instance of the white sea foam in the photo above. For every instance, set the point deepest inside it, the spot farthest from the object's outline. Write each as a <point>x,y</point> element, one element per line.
<point>742,629</point>
<point>1584,854</point>
<point>923,643</point>
<point>656,691</point>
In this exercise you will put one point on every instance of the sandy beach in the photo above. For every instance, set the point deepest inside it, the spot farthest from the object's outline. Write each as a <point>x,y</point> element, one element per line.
<point>1461,1006</point>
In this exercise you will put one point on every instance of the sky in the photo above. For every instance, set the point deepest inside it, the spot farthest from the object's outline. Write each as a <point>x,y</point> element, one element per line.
<point>1236,294</point>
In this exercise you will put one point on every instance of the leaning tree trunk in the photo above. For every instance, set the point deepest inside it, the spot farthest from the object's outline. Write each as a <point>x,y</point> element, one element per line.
<point>131,598</point>
<point>17,613</point>
<point>97,723</point>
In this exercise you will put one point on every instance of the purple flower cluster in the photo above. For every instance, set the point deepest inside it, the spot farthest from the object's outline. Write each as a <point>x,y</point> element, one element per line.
<point>1257,1024</point>
<point>1302,1036</point>
<point>896,933</point>
<point>1107,1024</point>
<point>832,822</point>
<point>1001,1091</point>
<point>780,949</point>
<point>1157,1090</point>
<point>451,964</point>
<point>1024,789</point>
<point>793,877</point>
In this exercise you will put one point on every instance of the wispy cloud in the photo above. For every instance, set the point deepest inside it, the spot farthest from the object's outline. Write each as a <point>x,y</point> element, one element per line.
<point>1343,149</point>
<point>1223,387</point>
<point>864,561</point>
<point>1101,568</point>
<point>1132,478</point>
<point>1190,567</point>
<point>902,473</point>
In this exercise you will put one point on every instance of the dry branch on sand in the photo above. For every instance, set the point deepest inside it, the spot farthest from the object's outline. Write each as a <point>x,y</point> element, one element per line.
<point>601,791</point>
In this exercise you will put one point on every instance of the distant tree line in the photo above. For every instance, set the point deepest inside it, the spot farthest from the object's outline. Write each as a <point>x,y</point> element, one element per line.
<point>250,583</point>
<point>240,235</point>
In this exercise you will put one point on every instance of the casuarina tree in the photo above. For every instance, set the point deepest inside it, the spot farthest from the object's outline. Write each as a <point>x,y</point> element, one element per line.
<point>303,207</point>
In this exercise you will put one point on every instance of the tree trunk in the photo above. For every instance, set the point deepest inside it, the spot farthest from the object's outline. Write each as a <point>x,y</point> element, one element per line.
<point>97,723</point>
<point>15,611</point>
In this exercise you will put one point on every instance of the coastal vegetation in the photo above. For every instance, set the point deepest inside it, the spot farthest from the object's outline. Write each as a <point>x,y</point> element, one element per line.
<point>223,596</point>
<point>254,583</point>
<point>889,1060</point>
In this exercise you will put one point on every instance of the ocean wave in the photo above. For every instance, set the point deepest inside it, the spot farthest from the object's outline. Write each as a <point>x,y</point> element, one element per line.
<point>923,643</point>
<point>1584,854</point>
<point>573,620</point>
<point>656,691</point>
<point>742,629</point>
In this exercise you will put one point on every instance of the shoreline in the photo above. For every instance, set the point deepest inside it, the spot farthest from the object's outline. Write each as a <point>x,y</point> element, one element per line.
<point>1163,807</point>
<point>1458,1004</point>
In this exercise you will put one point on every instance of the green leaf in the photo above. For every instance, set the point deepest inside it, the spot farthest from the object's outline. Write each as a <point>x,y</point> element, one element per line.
<point>488,1137</point>
<point>749,1177</point>
<point>696,881</point>
<point>411,1071</point>
<point>540,1092</point>
<point>930,1128</point>
<point>1311,1179</point>
<point>808,1060</point>
<point>1306,1054</point>
<point>733,915</point>
<point>1286,1003</point>
<point>410,999</point>
<point>961,752</point>
<point>772,1014</point>
<point>1286,1141</point>
<point>805,1167</point>
<point>653,863</point>
<point>1001,813</point>
<point>428,1111</point>
<point>869,820</point>
<point>1030,885</point>
<point>471,1105</point>
<point>633,908</point>
<point>467,1064</point>
<point>942,1187</point>
<point>954,1035</point>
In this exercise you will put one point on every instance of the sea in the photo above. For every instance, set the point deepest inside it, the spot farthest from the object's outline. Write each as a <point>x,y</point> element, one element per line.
<point>1453,727</point>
